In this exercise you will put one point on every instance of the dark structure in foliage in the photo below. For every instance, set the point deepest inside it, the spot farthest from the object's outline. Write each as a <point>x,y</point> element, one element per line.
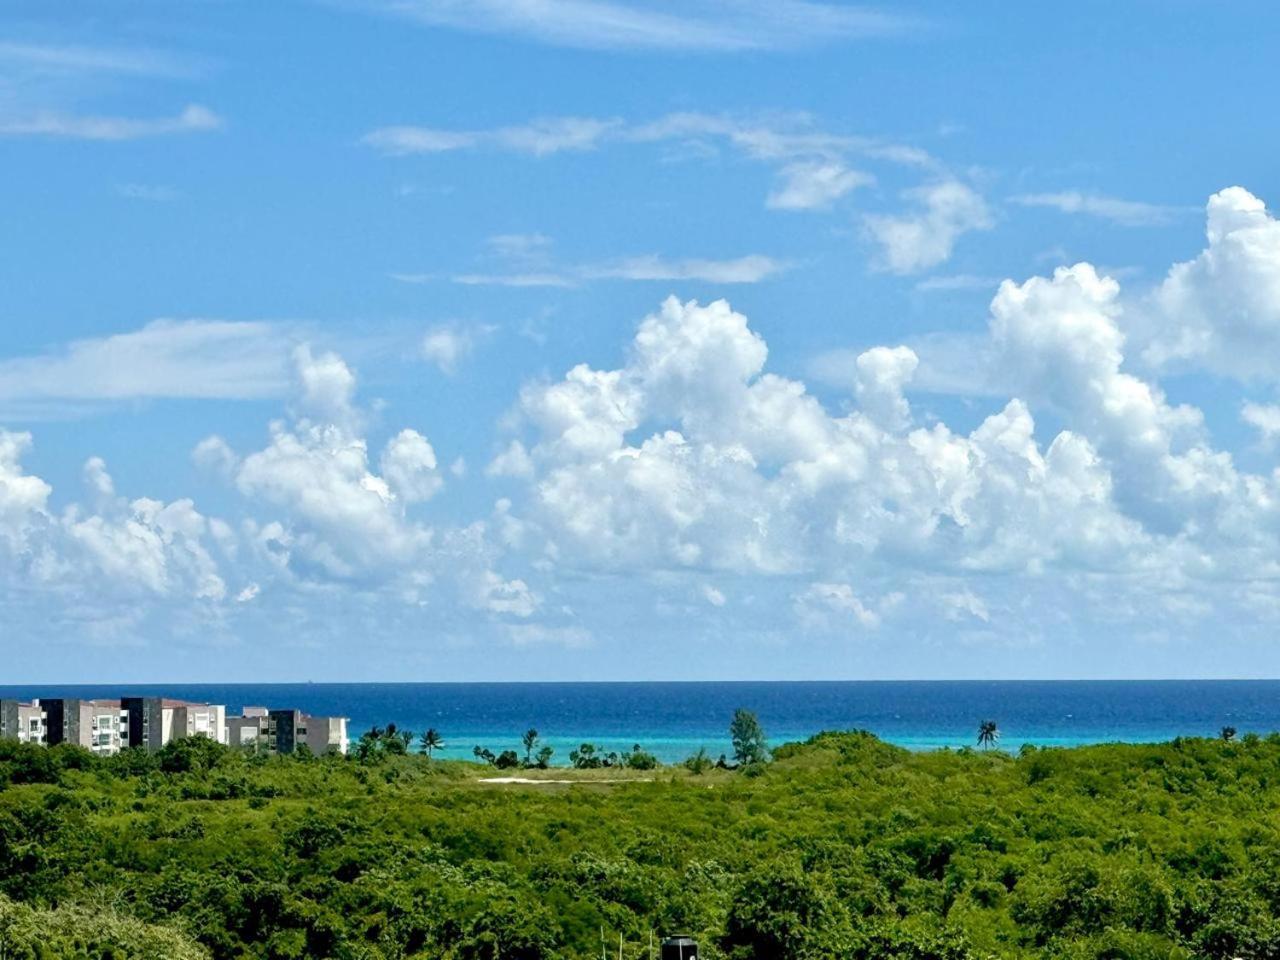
<point>679,948</point>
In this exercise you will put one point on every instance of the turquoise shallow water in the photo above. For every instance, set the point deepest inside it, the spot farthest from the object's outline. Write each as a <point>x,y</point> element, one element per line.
<point>674,719</point>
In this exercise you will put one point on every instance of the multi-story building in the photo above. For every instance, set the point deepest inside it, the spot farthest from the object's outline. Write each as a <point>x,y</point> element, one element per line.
<point>289,729</point>
<point>152,722</point>
<point>22,721</point>
<point>249,730</point>
<point>283,731</point>
<point>96,725</point>
<point>108,726</point>
<point>198,720</point>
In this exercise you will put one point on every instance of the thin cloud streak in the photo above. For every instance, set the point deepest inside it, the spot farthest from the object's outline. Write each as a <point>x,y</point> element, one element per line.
<point>48,59</point>
<point>538,138</point>
<point>1127,213</point>
<point>749,269</point>
<point>785,139</point>
<point>752,268</point>
<point>813,168</point>
<point>513,280</point>
<point>193,119</point>
<point>695,26</point>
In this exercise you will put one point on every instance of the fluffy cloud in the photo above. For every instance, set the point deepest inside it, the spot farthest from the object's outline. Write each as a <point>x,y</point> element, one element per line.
<point>215,454</point>
<point>925,237</point>
<point>340,520</point>
<point>409,466</point>
<point>883,373</point>
<point>691,456</point>
<point>514,461</point>
<point>22,496</point>
<point>1221,311</point>
<point>327,386</point>
<point>97,479</point>
<point>347,520</point>
<point>116,550</point>
<point>746,472</point>
<point>1062,344</point>
<point>153,545</point>
<point>690,462</point>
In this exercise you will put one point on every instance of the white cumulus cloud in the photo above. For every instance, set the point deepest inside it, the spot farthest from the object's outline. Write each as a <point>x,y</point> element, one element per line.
<point>926,235</point>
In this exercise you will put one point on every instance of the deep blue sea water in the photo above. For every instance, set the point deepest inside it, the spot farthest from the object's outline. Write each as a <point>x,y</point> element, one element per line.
<point>675,719</point>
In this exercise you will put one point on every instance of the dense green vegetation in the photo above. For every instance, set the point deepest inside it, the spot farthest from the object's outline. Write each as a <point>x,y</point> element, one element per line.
<point>840,847</point>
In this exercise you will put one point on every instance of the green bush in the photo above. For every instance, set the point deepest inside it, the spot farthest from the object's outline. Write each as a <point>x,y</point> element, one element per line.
<point>92,933</point>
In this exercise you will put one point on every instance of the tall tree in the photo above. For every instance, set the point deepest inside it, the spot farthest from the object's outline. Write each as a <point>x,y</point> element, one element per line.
<point>430,741</point>
<point>530,740</point>
<point>988,734</point>
<point>749,745</point>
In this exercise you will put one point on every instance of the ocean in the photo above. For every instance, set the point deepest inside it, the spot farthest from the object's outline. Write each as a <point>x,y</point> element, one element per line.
<point>673,720</point>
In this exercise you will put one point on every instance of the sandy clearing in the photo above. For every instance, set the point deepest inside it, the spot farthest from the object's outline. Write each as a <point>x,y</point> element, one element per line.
<point>597,780</point>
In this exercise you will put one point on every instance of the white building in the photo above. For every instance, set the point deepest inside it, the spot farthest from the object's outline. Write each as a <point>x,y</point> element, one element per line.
<point>24,722</point>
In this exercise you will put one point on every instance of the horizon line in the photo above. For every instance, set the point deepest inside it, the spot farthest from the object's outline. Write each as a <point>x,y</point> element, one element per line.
<point>827,681</point>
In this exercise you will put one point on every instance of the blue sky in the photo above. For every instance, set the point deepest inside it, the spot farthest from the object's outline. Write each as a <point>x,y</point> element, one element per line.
<point>604,339</point>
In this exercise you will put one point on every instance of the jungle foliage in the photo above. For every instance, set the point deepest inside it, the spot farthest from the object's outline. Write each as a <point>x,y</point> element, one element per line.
<point>839,847</point>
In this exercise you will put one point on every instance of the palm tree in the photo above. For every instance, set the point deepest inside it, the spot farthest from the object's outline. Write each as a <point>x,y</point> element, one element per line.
<point>530,740</point>
<point>988,734</point>
<point>430,741</point>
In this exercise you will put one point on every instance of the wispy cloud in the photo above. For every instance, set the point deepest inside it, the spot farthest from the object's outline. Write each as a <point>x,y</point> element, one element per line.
<point>537,138</point>
<point>812,185</point>
<point>748,269</point>
<point>958,281</point>
<point>513,280</point>
<point>156,193</point>
<point>207,359</point>
<point>814,168</point>
<point>694,25</point>
<point>925,235</point>
<point>61,60</point>
<point>782,138</point>
<point>1128,213</point>
<point>448,345</point>
<point>528,262</point>
<point>193,119</point>
<point>1263,417</point>
<point>521,246</point>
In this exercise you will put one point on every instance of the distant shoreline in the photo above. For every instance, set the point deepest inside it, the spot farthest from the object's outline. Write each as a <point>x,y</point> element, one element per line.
<point>674,719</point>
